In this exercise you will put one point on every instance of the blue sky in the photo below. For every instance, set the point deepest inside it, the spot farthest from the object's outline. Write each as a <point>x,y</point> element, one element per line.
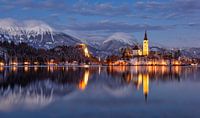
<point>173,23</point>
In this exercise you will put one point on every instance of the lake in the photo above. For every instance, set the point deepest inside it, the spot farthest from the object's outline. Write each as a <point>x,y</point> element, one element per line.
<point>100,92</point>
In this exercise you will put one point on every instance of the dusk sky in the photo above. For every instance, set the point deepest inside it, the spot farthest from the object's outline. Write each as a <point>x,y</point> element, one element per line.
<point>173,23</point>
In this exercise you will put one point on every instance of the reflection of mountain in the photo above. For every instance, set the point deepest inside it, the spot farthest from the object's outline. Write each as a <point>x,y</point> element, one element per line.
<point>37,89</point>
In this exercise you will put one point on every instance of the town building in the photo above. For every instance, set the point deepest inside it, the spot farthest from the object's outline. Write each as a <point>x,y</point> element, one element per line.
<point>145,51</point>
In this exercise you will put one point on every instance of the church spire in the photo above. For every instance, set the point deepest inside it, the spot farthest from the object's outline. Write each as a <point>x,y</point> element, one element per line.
<point>145,35</point>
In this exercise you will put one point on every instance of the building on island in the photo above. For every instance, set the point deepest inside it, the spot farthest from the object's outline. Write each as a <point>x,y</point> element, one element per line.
<point>136,51</point>
<point>145,51</point>
<point>141,51</point>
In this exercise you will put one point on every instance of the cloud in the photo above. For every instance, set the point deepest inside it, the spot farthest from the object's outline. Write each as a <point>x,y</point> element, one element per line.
<point>81,7</point>
<point>140,9</point>
<point>104,9</point>
<point>109,26</point>
<point>172,9</point>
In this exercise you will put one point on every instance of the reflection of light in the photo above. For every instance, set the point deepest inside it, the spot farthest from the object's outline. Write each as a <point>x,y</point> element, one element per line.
<point>145,85</point>
<point>51,68</point>
<point>128,77</point>
<point>177,69</point>
<point>67,68</point>
<point>119,69</point>
<point>139,81</point>
<point>14,68</point>
<point>26,68</point>
<point>83,83</point>
<point>164,69</point>
<point>1,68</point>
<point>99,70</point>
<point>35,68</point>
<point>1,64</point>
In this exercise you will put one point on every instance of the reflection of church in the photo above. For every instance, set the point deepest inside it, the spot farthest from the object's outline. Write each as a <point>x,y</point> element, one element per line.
<point>141,76</point>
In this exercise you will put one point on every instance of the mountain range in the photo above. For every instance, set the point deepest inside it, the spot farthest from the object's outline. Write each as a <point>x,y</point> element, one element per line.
<point>41,35</point>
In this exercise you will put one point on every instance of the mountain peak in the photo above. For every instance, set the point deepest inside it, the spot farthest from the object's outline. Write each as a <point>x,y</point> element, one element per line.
<point>120,37</point>
<point>30,27</point>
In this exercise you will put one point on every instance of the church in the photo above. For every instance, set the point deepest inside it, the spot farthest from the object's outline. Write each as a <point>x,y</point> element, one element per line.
<point>144,51</point>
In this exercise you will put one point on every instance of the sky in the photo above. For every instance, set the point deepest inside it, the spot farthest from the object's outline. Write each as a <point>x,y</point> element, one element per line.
<point>172,23</point>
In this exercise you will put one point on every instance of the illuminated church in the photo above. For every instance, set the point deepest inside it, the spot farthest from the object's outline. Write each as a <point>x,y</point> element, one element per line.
<point>144,51</point>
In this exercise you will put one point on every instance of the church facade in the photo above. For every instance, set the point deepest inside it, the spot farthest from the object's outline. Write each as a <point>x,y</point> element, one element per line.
<point>145,51</point>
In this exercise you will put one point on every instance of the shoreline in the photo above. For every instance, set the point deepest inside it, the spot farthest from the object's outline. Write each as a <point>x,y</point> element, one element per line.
<point>85,66</point>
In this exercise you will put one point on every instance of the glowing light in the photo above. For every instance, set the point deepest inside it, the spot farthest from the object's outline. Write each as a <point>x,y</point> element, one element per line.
<point>176,62</point>
<point>82,85</point>
<point>145,47</point>
<point>14,63</point>
<point>119,63</point>
<point>145,84</point>
<point>14,68</point>
<point>139,82</point>
<point>1,64</point>
<point>1,68</point>
<point>85,50</point>
<point>35,68</point>
<point>51,62</point>
<point>26,63</point>
<point>86,66</point>
<point>163,62</point>
<point>99,70</point>
<point>36,63</point>
<point>139,52</point>
<point>26,68</point>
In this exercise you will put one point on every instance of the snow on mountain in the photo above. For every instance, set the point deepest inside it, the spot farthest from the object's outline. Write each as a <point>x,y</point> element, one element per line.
<point>191,52</point>
<point>120,37</point>
<point>35,33</point>
<point>118,40</point>
<point>29,27</point>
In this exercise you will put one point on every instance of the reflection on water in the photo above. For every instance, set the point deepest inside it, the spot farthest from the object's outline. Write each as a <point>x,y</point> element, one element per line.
<point>36,87</point>
<point>84,81</point>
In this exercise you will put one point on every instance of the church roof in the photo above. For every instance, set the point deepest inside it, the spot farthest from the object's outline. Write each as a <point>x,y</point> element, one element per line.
<point>135,47</point>
<point>145,35</point>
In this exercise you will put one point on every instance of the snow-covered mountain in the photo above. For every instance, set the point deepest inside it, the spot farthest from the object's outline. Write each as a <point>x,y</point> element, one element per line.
<point>191,52</point>
<point>35,33</point>
<point>117,41</point>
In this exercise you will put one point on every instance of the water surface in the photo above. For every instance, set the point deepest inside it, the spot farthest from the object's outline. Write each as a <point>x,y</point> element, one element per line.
<point>119,91</point>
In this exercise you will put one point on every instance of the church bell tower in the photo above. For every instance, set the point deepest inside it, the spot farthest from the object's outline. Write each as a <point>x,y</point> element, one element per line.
<point>145,51</point>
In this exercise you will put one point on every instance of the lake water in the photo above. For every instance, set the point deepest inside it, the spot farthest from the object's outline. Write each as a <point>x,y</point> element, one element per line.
<point>102,92</point>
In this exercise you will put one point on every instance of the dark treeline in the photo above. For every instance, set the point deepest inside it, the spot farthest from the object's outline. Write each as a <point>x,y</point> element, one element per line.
<point>24,52</point>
